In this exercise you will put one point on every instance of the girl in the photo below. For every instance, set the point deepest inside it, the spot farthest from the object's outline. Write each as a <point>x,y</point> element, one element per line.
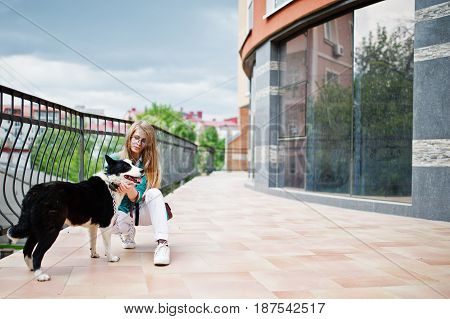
<point>140,148</point>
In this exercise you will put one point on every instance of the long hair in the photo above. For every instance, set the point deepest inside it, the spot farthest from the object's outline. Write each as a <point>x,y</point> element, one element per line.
<point>149,153</point>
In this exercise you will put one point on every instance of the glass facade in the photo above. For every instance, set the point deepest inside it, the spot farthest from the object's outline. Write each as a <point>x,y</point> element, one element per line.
<point>292,154</point>
<point>293,88</point>
<point>346,104</point>
<point>330,106</point>
<point>383,101</point>
<point>292,135</point>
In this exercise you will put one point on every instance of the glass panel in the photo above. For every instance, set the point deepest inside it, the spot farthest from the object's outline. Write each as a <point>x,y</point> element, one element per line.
<point>330,31</point>
<point>292,164</point>
<point>278,3</point>
<point>293,60</point>
<point>330,108</point>
<point>355,76</point>
<point>293,87</point>
<point>293,109</point>
<point>383,100</point>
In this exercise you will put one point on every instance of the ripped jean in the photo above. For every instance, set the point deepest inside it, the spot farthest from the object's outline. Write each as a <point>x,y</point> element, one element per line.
<point>152,211</point>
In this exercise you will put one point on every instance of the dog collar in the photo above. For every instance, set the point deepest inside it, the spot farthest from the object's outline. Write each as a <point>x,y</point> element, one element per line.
<point>113,186</point>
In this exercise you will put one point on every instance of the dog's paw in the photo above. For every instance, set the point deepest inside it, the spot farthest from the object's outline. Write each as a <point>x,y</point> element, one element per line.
<point>43,277</point>
<point>114,259</point>
<point>95,255</point>
<point>40,276</point>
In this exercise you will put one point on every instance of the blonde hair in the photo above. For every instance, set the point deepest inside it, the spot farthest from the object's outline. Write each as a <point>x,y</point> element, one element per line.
<point>149,153</point>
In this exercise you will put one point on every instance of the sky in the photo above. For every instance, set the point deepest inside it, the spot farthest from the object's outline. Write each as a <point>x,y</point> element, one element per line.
<point>389,14</point>
<point>116,54</point>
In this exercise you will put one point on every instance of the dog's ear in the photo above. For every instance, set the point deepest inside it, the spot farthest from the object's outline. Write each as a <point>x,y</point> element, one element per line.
<point>109,160</point>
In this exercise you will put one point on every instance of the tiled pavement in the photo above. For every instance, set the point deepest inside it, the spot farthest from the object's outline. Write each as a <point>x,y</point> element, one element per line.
<point>229,241</point>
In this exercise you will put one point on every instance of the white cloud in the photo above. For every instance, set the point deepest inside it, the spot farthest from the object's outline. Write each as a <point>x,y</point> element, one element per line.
<point>73,84</point>
<point>389,14</point>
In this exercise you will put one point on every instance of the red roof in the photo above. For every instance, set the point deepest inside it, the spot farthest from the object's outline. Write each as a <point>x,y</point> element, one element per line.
<point>26,110</point>
<point>227,122</point>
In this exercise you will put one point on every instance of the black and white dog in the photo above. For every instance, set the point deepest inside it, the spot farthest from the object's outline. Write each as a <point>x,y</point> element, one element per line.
<point>92,204</point>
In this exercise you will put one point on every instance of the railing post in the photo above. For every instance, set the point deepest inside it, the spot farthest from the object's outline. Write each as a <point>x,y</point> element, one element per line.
<point>56,156</point>
<point>81,149</point>
<point>213,151</point>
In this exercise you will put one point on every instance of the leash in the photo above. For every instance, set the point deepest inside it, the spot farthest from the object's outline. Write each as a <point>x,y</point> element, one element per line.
<point>136,214</point>
<point>112,187</point>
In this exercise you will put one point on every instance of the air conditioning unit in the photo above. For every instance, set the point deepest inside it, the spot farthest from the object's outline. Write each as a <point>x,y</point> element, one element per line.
<point>338,50</point>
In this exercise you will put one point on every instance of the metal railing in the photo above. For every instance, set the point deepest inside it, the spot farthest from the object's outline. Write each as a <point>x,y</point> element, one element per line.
<point>42,141</point>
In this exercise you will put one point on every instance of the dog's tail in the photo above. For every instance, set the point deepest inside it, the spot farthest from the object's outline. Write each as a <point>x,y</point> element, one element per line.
<point>23,228</point>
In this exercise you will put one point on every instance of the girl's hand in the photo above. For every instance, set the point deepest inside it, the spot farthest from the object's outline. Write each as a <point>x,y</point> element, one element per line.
<point>128,189</point>
<point>125,187</point>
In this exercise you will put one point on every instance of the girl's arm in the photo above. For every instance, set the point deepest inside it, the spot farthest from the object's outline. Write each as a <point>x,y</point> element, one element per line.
<point>140,188</point>
<point>134,193</point>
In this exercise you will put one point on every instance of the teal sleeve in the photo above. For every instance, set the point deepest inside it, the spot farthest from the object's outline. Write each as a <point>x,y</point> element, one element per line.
<point>126,203</point>
<point>141,187</point>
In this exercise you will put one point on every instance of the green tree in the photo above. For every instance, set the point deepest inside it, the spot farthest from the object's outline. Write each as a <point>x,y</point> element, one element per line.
<point>329,139</point>
<point>56,153</point>
<point>165,117</point>
<point>383,110</point>
<point>386,55</point>
<point>375,115</point>
<point>210,139</point>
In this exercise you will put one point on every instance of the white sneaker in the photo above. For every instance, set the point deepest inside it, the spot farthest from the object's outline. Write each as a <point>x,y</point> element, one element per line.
<point>162,254</point>
<point>127,242</point>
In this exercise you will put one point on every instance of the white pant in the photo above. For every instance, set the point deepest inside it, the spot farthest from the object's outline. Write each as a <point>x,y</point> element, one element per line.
<point>152,211</point>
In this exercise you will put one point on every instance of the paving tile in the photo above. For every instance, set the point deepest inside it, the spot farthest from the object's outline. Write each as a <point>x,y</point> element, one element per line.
<point>292,280</point>
<point>409,276</point>
<point>164,286</point>
<point>117,281</point>
<point>443,289</point>
<point>294,294</point>
<point>354,293</point>
<point>278,247</point>
<point>225,285</point>
<point>415,292</point>
<point>31,288</point>
<point>368,281</point>
<point>437,261</point>
<point>229,241</point>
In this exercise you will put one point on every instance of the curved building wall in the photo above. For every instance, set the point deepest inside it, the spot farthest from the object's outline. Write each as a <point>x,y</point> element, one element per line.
<point>266,24</point>
<point>332,104</point>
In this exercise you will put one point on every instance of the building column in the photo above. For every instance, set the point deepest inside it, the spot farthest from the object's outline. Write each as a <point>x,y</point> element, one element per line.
<point>264,105</point>
<point>431,111</point>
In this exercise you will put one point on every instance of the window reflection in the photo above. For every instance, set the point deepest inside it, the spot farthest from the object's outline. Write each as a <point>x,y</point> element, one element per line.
<point>293,76</point>
<point>384,57</point>
<point>346,104</point>
<point>330,106</point>
<point>292,170</point>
